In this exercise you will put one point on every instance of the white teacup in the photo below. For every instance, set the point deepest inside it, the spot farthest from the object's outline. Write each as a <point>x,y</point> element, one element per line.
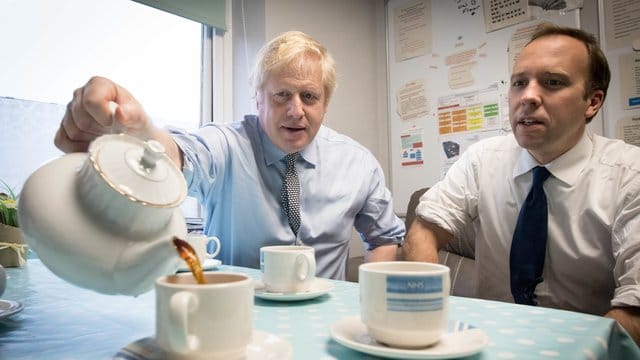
<point>212,320</point>
<point>287,268</point>
<point>404,304</point>
<point>200,244</point>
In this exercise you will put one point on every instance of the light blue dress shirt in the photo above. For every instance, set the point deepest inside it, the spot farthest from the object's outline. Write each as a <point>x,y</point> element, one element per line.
<point>235,172</point>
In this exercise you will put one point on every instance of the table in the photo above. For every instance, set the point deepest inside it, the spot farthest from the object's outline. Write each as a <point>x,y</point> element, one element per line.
<point>62,321</point>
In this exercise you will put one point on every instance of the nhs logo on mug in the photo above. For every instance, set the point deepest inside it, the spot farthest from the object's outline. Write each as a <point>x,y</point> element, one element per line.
<point>414,294</point>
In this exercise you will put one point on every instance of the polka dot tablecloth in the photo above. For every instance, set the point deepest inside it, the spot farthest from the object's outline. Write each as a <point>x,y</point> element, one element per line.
<point>61,321</point>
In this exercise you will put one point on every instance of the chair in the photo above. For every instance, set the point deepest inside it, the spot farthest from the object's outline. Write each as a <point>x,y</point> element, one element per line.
<point>457,255</point>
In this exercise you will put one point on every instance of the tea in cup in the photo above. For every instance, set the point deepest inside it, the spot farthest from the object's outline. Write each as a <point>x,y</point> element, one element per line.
<point>289,269</point>
<point>212,320</point>
<point>200,244</point>
<point>404,304</point>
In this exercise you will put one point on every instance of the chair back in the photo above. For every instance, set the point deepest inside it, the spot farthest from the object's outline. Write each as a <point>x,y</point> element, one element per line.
<point>457,255</point>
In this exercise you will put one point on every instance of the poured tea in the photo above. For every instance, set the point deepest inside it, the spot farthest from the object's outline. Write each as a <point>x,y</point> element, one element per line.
<point>188,254</point>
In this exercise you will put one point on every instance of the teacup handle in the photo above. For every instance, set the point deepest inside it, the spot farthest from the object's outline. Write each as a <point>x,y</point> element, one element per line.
<point>181,304</point>
<point>305,267</point>
<point>217,251</point>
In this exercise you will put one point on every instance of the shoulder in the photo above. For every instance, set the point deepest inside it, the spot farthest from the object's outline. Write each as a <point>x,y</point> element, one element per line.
<point>495,148</point>
<point>504,142</point>
<point>329,140</point>
<point>243,128</point>
<point>614,153</point>
<point>618,163</point>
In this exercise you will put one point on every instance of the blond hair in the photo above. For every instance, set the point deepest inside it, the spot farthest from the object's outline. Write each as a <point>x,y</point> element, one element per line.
<point>290,51</point>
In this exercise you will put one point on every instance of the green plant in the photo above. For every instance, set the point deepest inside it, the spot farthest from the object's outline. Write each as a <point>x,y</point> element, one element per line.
<point>8,205</point>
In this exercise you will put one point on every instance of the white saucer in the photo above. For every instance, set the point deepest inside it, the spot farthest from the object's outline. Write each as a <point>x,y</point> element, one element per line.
<point>8,308</point>
<point>263,346</point>
<point>318,288</point>
<point>208,264</point>
<point>460,340</point>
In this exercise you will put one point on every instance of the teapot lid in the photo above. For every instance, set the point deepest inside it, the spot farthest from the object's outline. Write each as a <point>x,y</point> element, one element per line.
<point>139,170</point>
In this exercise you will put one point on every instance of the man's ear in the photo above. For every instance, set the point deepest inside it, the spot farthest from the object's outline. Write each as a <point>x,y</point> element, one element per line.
<point>258,100</point>
<point>595,103</point>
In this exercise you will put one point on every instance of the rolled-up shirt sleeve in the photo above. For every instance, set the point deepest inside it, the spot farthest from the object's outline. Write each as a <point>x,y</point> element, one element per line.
<point>626,250</point>
<point>377,222</point>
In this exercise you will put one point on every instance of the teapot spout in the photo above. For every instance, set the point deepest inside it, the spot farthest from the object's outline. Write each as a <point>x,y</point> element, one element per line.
<point>140,265</point>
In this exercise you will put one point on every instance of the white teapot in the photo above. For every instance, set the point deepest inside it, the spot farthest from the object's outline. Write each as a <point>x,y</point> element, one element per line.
<point>105,220</point>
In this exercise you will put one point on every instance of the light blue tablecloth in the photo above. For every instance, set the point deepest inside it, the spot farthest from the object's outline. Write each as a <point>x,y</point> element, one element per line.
<point>61,321</point>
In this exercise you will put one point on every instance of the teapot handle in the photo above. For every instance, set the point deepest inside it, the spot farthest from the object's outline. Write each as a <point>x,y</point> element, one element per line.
<point>116,127</point>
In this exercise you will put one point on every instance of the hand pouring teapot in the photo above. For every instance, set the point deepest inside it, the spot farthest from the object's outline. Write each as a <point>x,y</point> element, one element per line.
<point>105,219</point>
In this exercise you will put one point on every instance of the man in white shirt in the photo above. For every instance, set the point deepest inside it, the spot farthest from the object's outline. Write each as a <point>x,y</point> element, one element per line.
<point>591,262</point>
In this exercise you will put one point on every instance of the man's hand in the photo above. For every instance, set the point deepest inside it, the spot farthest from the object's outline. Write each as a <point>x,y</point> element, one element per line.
<point>423,241</point>
<point>629,319</point>
<point>382,253</point>
<point>92,113</point>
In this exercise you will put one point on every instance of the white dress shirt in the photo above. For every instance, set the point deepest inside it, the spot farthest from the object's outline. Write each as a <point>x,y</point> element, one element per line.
<point>593,246</point>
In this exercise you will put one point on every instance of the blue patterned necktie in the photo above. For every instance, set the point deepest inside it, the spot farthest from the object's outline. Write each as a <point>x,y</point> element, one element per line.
<point>529,243</point>
<point>290,193</point>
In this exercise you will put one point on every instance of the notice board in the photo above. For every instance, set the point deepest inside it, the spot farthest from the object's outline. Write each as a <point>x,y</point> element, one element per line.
<point>620,37</point>
<point>448,75</point>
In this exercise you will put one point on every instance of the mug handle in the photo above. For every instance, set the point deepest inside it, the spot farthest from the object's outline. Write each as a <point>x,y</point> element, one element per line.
<point>217,251</point>
<point>181,304</point>
<point>305,267</point>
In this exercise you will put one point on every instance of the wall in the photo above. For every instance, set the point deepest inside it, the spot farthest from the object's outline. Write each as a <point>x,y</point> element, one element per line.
<point>616,110</point>
<point>354,32</point>
<point>489,66</point>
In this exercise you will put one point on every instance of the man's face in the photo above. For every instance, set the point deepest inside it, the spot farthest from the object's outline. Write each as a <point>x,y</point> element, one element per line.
<point>547,105</point>
<point>291,106</point>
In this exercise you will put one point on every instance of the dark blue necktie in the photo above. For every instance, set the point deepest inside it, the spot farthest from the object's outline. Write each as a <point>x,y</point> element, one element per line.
<point>529,243</point>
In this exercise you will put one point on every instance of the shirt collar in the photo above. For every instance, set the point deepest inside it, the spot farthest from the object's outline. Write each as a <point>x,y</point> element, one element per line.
<point>272,154</point>
<point>566,168</point>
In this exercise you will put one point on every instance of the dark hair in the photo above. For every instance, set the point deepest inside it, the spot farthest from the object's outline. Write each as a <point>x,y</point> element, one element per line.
<point>599,73</point>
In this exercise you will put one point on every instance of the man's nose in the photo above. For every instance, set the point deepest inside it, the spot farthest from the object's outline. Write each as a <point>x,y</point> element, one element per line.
<point>531,95</point>
<point>295,107</point>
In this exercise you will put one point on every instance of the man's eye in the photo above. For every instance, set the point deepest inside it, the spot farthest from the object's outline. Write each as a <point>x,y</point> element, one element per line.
<point>281,96</point>
<point>518,83</point>
<point>554,82</point>
<point>309,97</point>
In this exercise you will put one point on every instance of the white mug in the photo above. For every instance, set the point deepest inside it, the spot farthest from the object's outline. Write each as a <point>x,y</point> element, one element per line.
<point>200,244</point>
<point>287,268</point>
<point>404,304</point>
<point>212,320</point>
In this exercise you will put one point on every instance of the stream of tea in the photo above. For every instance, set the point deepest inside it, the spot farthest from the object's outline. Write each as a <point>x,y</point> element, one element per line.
<point>188,254</point>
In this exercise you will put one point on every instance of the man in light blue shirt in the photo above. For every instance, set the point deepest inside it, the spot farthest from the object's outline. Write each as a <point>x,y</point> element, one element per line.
<point>236,170</point>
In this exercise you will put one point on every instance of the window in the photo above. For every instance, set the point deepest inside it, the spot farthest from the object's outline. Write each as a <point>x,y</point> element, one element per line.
<point>52,47</point>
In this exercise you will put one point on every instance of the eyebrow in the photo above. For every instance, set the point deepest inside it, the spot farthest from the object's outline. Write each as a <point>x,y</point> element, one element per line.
<point>544,73</point>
